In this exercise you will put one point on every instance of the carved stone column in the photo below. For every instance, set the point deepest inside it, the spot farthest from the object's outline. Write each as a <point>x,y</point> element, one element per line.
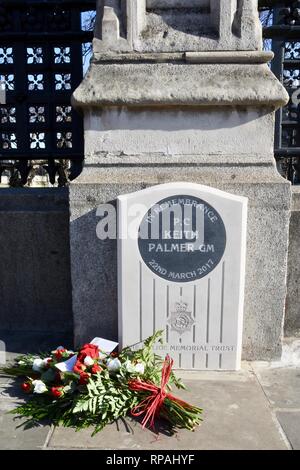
<point>180,90</point>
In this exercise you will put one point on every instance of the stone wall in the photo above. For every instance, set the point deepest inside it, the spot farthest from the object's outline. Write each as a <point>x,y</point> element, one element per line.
<point>35,286</point>
<point>292,316</point>
<point>214,148</point>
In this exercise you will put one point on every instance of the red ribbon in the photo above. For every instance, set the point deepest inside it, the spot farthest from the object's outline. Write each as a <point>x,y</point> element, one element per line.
<point>151,405</point>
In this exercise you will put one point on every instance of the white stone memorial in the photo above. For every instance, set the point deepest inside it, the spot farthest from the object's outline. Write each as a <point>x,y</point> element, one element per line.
<point>181,269</point>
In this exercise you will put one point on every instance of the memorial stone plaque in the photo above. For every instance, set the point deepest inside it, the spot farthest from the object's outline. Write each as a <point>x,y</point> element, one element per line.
<point>181,256</point>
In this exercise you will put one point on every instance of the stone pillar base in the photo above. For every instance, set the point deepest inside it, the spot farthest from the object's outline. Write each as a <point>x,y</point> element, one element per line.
<point>228,149</point>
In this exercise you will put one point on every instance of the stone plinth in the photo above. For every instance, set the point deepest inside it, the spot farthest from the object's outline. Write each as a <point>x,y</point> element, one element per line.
<point>292,315</point>
<point>168,111</point>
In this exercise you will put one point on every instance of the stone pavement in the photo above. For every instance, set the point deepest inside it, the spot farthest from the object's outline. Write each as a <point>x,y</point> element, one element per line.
<point>255,408</point>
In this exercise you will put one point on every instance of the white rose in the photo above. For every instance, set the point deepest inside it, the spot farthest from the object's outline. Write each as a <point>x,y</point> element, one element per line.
<point>113,365</point>
<point>38,364</point>
<point>39,386</point>
<point>88,361</point>
<point>129,367</point>
<point>21,363</point>
<point>140,368</point>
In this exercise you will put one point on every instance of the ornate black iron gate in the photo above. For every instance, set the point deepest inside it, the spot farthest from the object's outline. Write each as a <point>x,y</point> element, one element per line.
<point>285,35</point>
<point>41,62</point>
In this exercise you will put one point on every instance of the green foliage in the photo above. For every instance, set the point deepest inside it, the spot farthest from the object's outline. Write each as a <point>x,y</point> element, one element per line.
<point>22,367</point>
<point>152,361</point>
<point>105,398</point>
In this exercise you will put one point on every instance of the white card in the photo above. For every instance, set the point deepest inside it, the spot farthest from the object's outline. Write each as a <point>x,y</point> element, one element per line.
<point>68,365</point>
<point>104,345</point>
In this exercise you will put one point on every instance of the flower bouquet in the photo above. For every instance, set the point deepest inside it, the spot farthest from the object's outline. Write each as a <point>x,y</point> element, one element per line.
<point>101,387</point>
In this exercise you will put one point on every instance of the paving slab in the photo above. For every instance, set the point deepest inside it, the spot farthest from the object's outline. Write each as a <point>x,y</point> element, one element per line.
<point>281,384</point>
<point>236,416</point>
<point>255,408</point>
<point>11,390</point>
<point>4,380</point>
<point>290,422</point>
<point>14,437</point>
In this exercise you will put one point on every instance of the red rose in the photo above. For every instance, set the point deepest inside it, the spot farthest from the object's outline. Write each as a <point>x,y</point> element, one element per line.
<point>26,387</point>
<point>56,392</point>
<point>58,353</point>
<point>84,378</point>
<point>96,368</point>
<point>48,364</point>
<point>79,368</point>
<point>88,350</point>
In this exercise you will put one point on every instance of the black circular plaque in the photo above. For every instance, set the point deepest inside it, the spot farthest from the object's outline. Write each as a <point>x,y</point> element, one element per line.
<point>182,238</point>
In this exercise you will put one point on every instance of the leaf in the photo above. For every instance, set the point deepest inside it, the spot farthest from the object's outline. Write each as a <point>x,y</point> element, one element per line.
<point>105,398</point>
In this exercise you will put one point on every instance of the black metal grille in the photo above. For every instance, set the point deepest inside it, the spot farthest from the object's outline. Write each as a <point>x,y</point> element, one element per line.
<point>285,35</point>
<point>41,62</point>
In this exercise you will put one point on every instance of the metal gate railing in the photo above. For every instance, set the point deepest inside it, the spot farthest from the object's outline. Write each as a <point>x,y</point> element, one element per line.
<point>41,62</point>
<point>285,35</point>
